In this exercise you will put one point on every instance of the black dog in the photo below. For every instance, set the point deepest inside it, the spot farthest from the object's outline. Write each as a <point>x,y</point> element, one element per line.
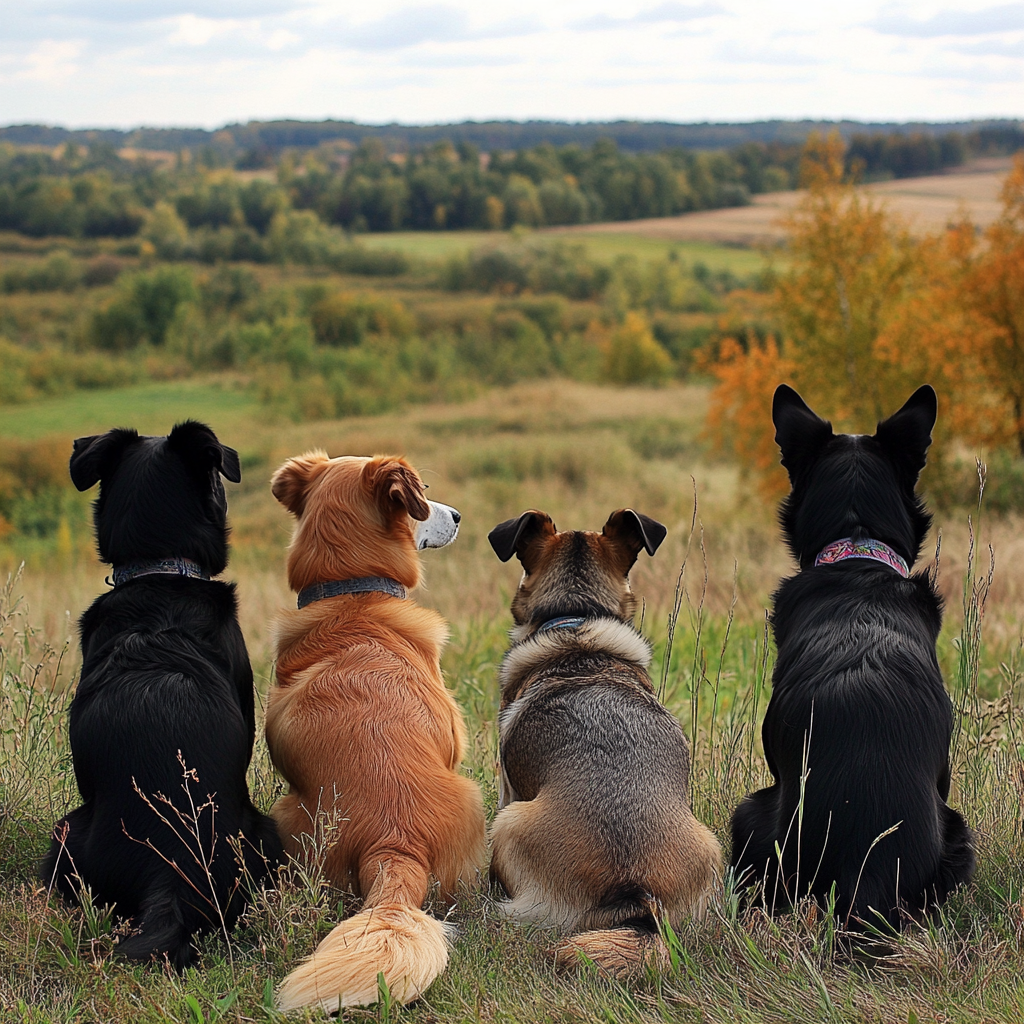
<point>166,686</point>
<point>858,712</point>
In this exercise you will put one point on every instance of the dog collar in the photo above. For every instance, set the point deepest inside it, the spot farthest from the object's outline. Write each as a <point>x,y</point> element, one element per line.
<point>840,550</point>
<point>159,567</point>
<point>362,585</point>
<point>562,622</point>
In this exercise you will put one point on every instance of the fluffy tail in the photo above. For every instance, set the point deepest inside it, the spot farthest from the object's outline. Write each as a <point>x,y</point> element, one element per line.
<point>629,947</point>
<point>390,936</point>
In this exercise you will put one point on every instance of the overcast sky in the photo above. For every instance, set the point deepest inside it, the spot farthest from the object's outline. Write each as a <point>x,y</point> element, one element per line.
<point>123,63</point>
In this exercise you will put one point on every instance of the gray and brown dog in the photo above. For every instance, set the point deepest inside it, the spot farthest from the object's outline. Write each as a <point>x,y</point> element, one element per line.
<point>594,835</point>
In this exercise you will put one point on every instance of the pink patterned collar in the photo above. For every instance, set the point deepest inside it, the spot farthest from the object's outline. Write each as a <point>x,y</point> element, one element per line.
<point>840,550</point>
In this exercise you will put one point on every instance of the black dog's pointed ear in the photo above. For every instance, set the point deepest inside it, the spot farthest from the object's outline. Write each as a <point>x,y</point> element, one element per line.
<point>92,458</point>
<point>198,447</point>
<point>907,434</point>
<point>799,432</point>
<point>634,532</point>
<point>516,536</point>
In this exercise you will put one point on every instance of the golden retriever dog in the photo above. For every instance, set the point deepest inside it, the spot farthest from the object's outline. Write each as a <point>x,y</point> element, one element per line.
<point>595,836</point>
<point>362,727</point>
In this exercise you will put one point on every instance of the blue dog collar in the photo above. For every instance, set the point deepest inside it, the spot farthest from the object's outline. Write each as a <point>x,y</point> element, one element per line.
<point>159,567</point>
<point>840,550</point>
<point>563,622</point>
<point>362,585</point>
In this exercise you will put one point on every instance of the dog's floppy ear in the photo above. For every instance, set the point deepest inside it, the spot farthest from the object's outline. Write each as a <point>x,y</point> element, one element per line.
<point>198,447</point>
<point>514,536</point>
<point>92,458</point>
<point>395,484</point>
<point>634,532</point>
<point>290,483</point>
<point>799,432</point>
<point>907,434</point>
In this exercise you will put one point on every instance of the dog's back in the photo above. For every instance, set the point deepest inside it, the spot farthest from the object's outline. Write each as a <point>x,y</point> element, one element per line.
<point>857,731</point>
<point>163,720</point>
<point>595,834</point>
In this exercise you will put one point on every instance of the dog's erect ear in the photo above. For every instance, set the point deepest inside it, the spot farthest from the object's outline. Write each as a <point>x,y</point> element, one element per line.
<point>799,432</point>
<point>93,458</point>
<point>198,447</point>
<point>907,433</point>
<point>517,536</point>
<point>395,484</point>
<point>634,532</point>
<point>290,483</point>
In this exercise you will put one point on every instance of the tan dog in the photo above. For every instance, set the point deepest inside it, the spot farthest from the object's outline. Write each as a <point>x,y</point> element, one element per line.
<point>362,727</point>
<point>595,834</point>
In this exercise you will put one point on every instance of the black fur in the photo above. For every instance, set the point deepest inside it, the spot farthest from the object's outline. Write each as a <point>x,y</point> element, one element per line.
<point>857,690</point>
<point>165,674</point>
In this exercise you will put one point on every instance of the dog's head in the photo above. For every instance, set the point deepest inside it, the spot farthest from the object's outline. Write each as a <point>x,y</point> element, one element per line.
<point>359,517</point>
<point>160,497</point>
<point>575,572</point>
<point>853,485</point>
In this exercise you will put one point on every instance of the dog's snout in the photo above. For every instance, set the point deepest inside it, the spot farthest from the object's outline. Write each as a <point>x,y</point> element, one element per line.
<point>456,516</point>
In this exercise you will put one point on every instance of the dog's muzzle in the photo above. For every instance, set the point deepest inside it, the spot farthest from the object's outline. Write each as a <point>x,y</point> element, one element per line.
<point>440,528</point>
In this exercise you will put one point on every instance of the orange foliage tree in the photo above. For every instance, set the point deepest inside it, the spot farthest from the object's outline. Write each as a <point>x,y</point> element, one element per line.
<point>866,313</point>
<point>993,291</point>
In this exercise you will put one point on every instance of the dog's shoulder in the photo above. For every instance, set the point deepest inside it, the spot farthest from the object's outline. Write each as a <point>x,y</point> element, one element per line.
<point>584,649</point>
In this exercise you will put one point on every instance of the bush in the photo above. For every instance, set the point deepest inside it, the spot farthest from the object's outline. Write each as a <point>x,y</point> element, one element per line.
<point>35,491</point>
<point>143,309</point>
<point>59,273</point>
<point>342,320</point>
<point>557,267</point>
<point>632,356</point>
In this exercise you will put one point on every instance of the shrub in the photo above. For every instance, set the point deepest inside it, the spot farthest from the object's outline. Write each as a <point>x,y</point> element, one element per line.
<point>35,491</point>
<point>632,356</point>
<point>342,320</point>
<point>143,309</point>
<point>59,273</point>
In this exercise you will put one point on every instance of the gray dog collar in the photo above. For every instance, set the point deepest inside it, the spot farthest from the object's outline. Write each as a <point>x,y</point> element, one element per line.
<point>563,622</point>
<point>159,567</point>
<point>362,585</point>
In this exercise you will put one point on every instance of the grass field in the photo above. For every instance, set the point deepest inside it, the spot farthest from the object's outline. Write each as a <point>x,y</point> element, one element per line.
<point>601,245</point>
<point>577,451</point>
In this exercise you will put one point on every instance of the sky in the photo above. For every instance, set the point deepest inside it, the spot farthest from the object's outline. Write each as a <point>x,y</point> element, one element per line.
<point>125,63</point>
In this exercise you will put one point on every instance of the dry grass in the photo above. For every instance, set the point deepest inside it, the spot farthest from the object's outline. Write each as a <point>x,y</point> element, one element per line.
<point>578,452</point>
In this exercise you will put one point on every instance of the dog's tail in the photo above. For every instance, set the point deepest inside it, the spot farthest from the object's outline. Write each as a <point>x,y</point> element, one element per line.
<point>160,929</point>
<point>391,936</point>
<point>627,949</point>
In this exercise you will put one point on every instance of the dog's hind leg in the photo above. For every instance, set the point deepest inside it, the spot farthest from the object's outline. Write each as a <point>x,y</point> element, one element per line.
<point>66,857</point>
<point>754,833</point>
<point>956,866</point>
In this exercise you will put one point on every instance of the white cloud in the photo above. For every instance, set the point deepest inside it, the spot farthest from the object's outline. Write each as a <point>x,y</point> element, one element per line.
<point>213,61</point>
<point>51,61</point>
<point>988,20</point>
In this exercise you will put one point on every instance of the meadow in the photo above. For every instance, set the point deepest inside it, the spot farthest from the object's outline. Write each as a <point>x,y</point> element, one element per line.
<point>573,372</point>
<point>577,450</point>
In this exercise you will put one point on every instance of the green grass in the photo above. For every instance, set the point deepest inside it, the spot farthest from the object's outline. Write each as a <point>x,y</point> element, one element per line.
<point>150,408</point>
<point>433,245</point>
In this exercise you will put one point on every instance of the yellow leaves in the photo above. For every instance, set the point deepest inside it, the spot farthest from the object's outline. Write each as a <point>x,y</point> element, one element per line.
<point>633,356</point>
<point>867,313</point>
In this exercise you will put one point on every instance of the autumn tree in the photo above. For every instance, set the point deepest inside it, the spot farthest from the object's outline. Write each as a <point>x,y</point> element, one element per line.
<point>850,268</point>
<point>992,289</point>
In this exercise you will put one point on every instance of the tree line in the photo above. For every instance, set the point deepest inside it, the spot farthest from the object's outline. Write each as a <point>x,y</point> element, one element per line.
<point>95,192</point>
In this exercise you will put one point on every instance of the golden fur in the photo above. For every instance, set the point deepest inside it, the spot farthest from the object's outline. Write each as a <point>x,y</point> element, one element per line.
<point>364,730</point>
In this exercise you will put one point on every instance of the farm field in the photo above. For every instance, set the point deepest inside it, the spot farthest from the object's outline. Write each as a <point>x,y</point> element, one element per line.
<point>929,203</point>
<point>576,450</point>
